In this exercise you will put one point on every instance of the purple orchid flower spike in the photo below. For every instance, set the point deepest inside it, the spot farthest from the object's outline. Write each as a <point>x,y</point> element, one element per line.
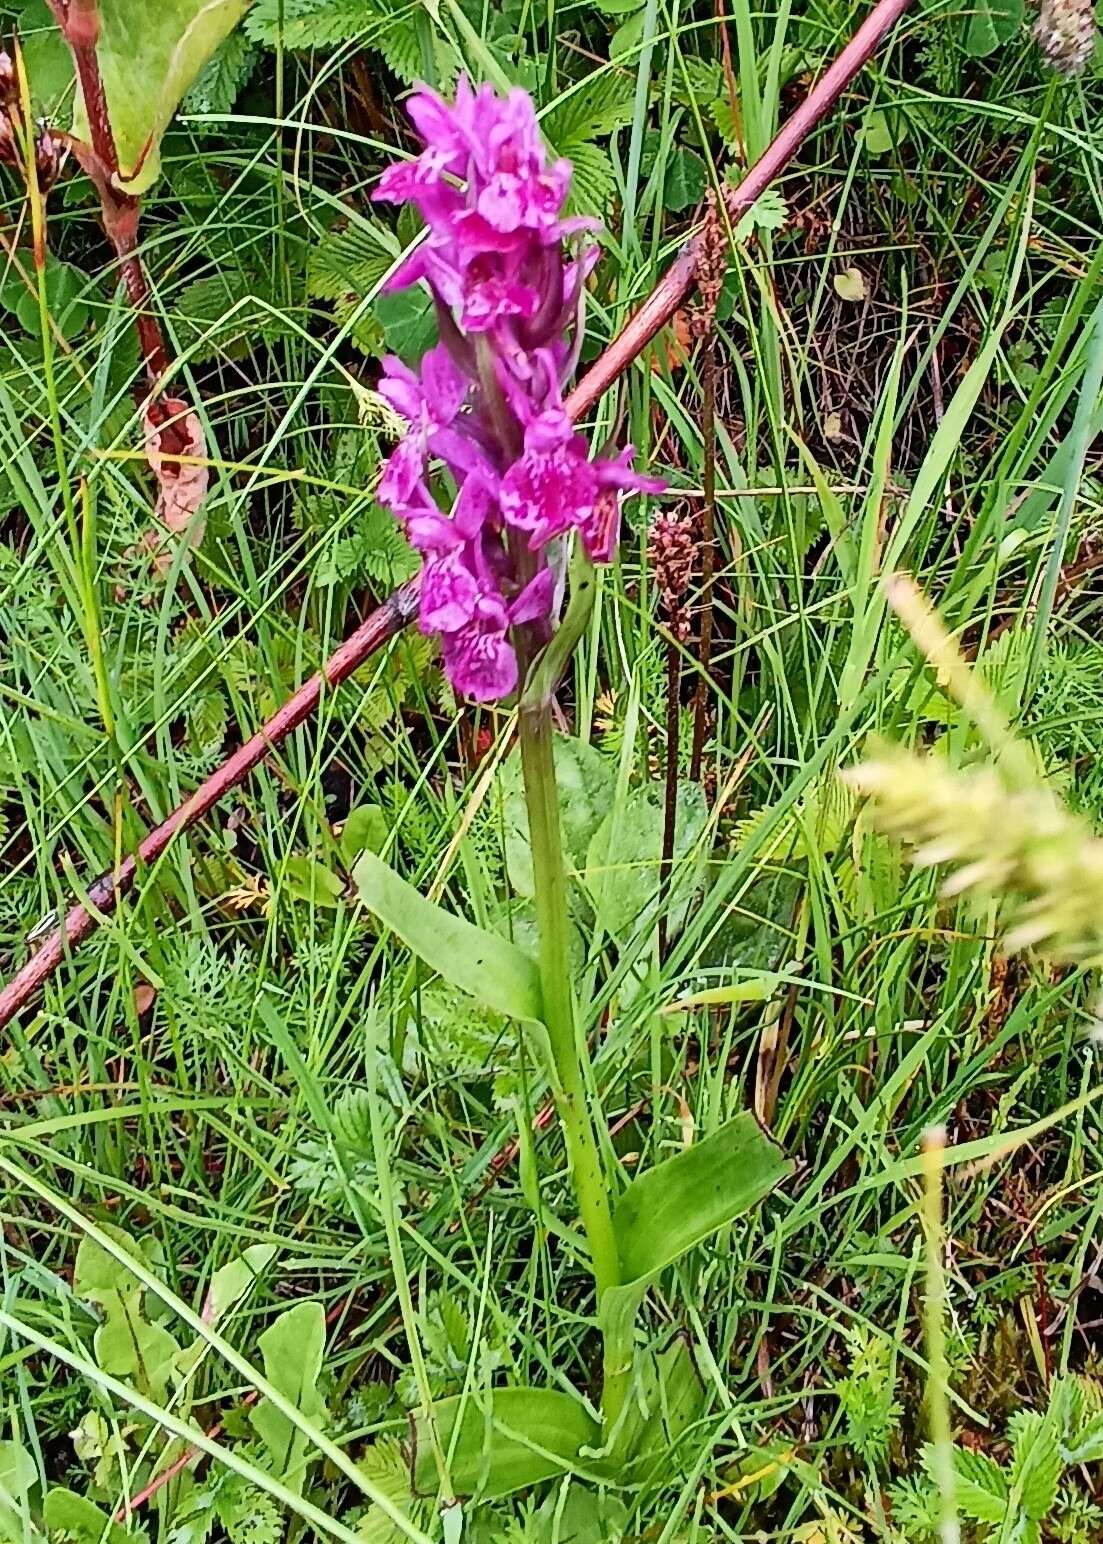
<point>487,406</point>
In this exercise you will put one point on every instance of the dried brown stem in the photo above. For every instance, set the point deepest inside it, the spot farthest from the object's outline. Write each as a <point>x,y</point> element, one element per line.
<point>670,791</point>
<point>708,552</point>
<point>396,612</point>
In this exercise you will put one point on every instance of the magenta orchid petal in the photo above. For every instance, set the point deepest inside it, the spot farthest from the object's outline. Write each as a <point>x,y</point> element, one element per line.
<point>480,665</point>
<point>403,473</point>
<point>448,595</point>
<point>508,293</point>
<point>535,600</point>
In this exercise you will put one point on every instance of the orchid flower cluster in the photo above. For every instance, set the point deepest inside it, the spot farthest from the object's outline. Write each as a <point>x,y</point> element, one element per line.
<point>507,281</point>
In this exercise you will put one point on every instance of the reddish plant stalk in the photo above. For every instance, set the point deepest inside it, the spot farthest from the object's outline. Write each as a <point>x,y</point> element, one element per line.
<point>400,608</point>
<point>80,24</point>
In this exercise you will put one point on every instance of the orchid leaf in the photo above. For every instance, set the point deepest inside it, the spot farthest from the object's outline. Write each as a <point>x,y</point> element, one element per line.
<point>503,1441</point>
<point>484,965</point>
<point>676,1204</point>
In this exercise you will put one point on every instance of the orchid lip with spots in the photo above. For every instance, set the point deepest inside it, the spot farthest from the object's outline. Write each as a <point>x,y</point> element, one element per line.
<point>507,275</point>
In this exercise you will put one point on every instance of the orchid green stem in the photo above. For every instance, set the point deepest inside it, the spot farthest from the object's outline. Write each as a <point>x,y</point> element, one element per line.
<point>567,1049</point>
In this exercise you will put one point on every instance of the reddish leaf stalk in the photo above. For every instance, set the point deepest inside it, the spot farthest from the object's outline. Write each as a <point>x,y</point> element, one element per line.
<point>401,607</point>
<point>80,24</point>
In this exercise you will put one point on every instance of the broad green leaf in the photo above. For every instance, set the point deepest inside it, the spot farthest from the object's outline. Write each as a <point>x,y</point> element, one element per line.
<point>307,880</point>
<point>128,1346</point>
<point>364,830</point>
<point>233,1280</point>
<point>18,1473</point>
<point>628,35</point>
<point>292,1348</point>
<point>685,180</point>
<point>850,284</point>
<point>46,56</point>
<point>624,858</point>
<point>486,967</point>
<point>876,133</point>
<point>586,1517</point>
<point>586,781</point>
<point>150,52</point>
<point>409,322</point>
<point>80,1521</point>
<point>671,1207</point>
<point>667,1397</point>
<point>97,1273</point>
<point>991,22</point>
<point>503,1441</point>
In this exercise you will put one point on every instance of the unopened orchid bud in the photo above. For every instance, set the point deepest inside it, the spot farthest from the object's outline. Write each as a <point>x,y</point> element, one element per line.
<point>499,262</point>
<point>48,154</point>
<point>9,150</point>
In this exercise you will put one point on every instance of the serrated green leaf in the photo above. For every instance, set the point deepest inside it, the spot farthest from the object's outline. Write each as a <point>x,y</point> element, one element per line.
<point>1086,1447</point>
<point>503,1441</point>
<point>767,213</point>
<point>218,83</point>
<point>602,105</point>
<point>482,964</point>
<point>355,259</point>
<point>676,1204</point>
<point>1035,1463</point>
<point>593,184</point>
<point>980,1486</point>
<point>149,55</point>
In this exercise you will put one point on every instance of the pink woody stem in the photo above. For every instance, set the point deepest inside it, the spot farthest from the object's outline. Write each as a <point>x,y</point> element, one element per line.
<point>401,607</point>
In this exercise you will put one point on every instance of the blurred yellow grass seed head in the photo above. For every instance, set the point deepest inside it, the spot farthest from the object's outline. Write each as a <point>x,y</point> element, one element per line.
<point>1023,848</point>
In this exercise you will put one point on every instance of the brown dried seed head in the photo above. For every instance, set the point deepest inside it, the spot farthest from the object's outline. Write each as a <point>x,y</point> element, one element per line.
<point>1065,32</point>
<point>712,265</point>
<point>671,549</point>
